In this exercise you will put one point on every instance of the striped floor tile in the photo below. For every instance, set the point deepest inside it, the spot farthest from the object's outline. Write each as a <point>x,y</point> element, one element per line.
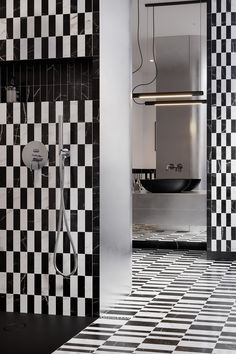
<point>181,303</point>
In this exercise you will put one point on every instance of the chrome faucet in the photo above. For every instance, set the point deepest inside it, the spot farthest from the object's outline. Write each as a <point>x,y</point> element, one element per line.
<point>172,166</point>
<point>179,167</point>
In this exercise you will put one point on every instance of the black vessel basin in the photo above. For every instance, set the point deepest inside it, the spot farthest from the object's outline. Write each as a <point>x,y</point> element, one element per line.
<point>193,183</point>
<point>169,185</point>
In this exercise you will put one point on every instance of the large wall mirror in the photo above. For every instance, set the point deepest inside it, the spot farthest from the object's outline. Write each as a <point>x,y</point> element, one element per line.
<point>169,116</point>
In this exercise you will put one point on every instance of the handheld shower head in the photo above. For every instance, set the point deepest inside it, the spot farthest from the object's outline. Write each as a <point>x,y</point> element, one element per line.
<point>63,154</point>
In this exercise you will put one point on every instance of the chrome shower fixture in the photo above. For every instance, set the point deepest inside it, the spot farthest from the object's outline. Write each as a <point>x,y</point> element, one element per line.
<point>35,155</point>
<point>63,155</point>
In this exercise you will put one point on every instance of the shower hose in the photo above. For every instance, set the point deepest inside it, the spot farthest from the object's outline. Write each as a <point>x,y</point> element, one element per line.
<point>64,153</point>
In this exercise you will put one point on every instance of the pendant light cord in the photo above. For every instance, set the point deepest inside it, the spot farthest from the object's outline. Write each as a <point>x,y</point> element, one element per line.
<point>138,41</point>
<point>154,58</point>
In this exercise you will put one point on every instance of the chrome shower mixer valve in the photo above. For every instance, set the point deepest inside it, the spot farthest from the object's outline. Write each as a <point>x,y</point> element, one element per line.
<point>35,155</point>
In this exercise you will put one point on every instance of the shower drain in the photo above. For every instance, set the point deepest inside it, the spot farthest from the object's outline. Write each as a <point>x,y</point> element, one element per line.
<point>14,327</point>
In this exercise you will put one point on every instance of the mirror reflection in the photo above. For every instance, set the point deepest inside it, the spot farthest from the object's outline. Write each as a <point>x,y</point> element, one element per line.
<point>169,124</point>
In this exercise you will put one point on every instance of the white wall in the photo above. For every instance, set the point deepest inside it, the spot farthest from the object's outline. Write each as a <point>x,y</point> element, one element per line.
<point>115,153</point>
<point>143,118</point>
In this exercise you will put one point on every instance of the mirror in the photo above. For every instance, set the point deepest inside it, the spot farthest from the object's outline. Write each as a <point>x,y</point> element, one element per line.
<point>169,139</point>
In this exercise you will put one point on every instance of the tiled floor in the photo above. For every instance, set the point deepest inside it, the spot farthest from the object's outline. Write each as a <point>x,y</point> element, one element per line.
<point>152,234</point>
<point>181,303</point>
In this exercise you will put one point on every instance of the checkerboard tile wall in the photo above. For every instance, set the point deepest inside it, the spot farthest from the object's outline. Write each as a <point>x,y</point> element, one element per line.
<point>40,29</point>
<point>29,205</point>
<point>222,126</point>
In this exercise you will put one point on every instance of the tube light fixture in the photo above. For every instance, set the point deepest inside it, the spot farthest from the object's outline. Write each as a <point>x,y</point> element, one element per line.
<point>175,103</point>
<point>174,3</point>
<point>183,94</point>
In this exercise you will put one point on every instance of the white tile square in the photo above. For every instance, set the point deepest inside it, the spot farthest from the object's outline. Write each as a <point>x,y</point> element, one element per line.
<point>16,27</point>
<point>74,286</point>
<point>88,287</point>
<point>30,27</point>
<point>37,263</point>
<point>3,237</point>
<point>38,8</point>
<point>66,47</point>
<point>88,243</point>
<point>10,304</point>
<point>30,241</point>
<point>23,49</point>
<point>37,304</point>
<point>81,307</point>
<point>59,25</point>
<point>52,47</point>
<point>3,29</point>
<point>23,263</point>
<point>23,8</point>
<point>66,7</point>
<point>10,8</point>
<point>52,305</point>
<point>37,48</point>
<point>3,282</point>
<point>16,283</point>
<point>45,26</point>
<point>23,304</point>
<point>52,7</point>
<point>81,45</point>
<point>74,24</point>
<point>88,23</point>
<point>88,111</point>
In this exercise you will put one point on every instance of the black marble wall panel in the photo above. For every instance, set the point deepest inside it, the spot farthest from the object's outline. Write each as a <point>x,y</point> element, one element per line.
<point>49,80</point>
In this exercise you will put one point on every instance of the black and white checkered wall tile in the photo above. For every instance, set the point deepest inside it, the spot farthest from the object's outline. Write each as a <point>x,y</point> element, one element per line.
<point>222,126</point>
<point>41,29</point>
<point>29,205</point>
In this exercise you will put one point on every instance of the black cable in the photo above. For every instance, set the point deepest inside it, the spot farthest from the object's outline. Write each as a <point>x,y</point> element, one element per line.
<point>138,40</point>
<point>154,58</point>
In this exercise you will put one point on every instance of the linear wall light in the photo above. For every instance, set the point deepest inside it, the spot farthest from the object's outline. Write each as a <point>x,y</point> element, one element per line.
<point>174,3</point>
<point>180,94</point>
<point>175,103</point>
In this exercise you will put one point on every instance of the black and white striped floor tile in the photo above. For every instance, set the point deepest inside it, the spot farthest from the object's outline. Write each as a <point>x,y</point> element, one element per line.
<point>169,236</point>
<point>180,303</point>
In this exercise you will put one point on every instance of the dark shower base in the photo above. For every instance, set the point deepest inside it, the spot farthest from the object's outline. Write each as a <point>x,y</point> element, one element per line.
<point>37,334</point>
<point>173,245</point>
